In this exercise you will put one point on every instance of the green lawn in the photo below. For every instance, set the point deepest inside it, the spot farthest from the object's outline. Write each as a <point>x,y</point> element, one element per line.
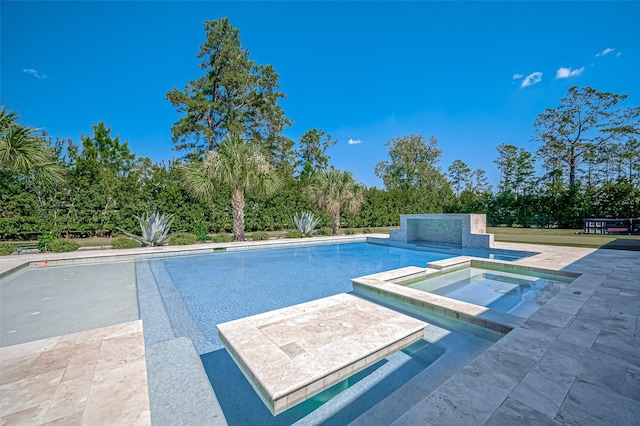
<point>558,237</point>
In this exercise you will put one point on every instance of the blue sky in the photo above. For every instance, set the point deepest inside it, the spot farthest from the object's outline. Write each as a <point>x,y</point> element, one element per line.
<point>472,74</point>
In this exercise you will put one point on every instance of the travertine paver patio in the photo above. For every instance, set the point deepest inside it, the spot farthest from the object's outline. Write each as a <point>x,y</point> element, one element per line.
<point>575,361</point>
<point>94,377</point>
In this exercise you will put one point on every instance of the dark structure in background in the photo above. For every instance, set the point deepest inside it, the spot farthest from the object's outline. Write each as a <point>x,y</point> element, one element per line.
<point>611,226</point>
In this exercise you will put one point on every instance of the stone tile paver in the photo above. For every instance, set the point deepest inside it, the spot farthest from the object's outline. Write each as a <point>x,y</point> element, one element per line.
<point>588,404</point>
<point>543,390</point>
<point>632,383</point>
<point>515,412</point>
<point>93,377</point>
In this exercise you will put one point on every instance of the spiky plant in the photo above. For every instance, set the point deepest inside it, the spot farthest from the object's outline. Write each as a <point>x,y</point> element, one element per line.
<point>155,229</point>
<point>305,222</point>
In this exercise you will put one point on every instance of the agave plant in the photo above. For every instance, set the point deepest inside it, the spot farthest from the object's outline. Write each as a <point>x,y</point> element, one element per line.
<point>305,222</point>
<point>155,229</point>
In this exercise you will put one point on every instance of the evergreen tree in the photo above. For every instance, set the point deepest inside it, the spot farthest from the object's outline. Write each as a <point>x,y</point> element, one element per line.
<point>587,121</point>
<point>313,151</point>
<point>460,176</point>
<point>234,98</point>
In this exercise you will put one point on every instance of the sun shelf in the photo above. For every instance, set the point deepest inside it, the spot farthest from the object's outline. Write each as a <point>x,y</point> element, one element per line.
<point>291,354</point>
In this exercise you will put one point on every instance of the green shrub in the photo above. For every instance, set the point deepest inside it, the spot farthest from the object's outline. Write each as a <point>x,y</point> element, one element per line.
<point>182,239</point>
<point>6,249</point>
<point>201,231</point>
<point>259,236</point>
<point>221,238</point>
<point>45,241</point>
<point>293,234</point>
<point>123,242</point>
<point>367,231</point>
<point>323,231</point>
<point>62,245</point>
<point>348,231</point>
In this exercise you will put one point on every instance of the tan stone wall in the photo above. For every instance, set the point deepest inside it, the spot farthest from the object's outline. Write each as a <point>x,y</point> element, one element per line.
<point>461,230</point>
<point>440,231</point>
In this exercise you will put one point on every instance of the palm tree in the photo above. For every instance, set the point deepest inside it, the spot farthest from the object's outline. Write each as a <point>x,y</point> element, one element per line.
<point>240,165</point>
<point>334,189</point>
<point>23,152</point>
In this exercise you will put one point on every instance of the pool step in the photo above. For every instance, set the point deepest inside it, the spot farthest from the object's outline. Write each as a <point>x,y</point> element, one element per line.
<point>179,391</point>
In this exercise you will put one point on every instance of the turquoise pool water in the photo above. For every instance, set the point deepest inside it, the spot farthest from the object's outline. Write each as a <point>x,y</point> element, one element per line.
<point>224,286</point>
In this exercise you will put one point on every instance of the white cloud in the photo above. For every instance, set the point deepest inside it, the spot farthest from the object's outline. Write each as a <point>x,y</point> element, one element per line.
<point>605,51</point>
<point>354,141</point>
<point>568,72</point>
<point>531,79</point>
<point>517,76</point>
<point>618,54</point>
<point>33,72</point>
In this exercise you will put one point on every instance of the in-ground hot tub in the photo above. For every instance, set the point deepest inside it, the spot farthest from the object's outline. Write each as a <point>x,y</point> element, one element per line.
<point>493,295</point>
<point>518,293</point>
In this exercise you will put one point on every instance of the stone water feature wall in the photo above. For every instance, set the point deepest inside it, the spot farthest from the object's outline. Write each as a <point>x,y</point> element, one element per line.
<point>457,230</point>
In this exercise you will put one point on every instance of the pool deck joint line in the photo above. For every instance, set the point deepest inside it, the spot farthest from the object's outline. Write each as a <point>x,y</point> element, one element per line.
<point>290,355</point>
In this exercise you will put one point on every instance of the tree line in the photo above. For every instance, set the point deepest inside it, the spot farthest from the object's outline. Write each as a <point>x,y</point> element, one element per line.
<point>238,171</point>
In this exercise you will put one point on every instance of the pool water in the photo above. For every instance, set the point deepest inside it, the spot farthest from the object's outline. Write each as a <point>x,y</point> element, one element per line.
<point>452,251</point>
<point>201,291</point>
<point>503,291</point>
<point>224,286</point>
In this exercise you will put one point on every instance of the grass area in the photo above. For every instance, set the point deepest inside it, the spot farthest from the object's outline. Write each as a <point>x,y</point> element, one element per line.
<point>555,237</point>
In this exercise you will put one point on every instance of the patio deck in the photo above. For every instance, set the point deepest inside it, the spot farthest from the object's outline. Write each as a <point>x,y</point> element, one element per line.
<point>575,361</point>
<point>97,376</point>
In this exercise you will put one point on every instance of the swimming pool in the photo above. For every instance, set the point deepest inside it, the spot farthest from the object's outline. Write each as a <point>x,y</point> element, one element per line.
<point>224,286</point>
<point>183,296</point>
<point>201,291</point>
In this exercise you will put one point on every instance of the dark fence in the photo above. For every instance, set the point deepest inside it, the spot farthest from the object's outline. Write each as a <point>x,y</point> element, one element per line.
<point>611,226</point>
